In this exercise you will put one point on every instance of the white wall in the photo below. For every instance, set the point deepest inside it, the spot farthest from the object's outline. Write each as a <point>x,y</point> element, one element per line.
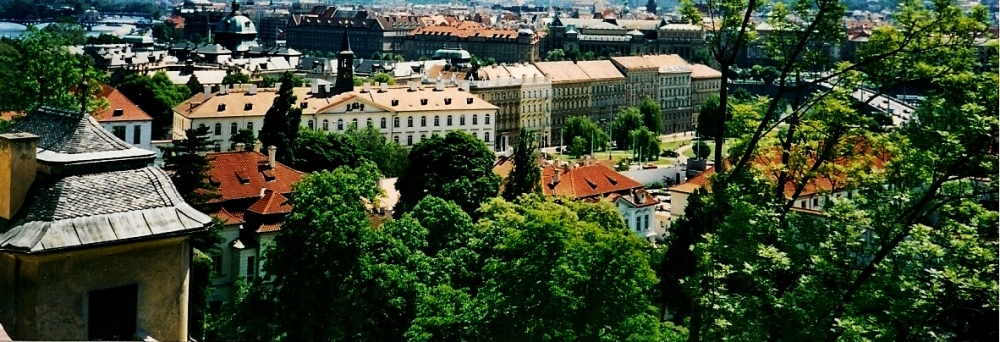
<point>145,132</point>
<point>650,176</point>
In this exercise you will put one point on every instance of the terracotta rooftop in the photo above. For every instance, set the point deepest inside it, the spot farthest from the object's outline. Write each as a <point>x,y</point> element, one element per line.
<point>563,71</point>
<point>601,70</point>
<point>634,62</point>
<point>703,71</point>
<point>239,175</point>
<point>121,108</point>
<point>669,63</point>
<point>585,181</point>
<point>271,203</point>
<point>236,103</point>
<point>397,99</point>
<point>227,217</point>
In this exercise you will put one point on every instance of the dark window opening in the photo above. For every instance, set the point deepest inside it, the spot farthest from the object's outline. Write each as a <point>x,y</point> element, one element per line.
<point>111,313</point>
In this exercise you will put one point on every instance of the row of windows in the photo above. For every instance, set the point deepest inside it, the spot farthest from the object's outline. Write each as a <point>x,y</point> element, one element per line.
<point>409,138</point>
<point>571,91</point>
<point>674,80</point>
<point>119,131</point>
<point>233,127</point>
<point>409,122</point>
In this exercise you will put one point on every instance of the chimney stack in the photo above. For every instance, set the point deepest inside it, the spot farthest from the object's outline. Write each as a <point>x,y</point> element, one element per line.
<point>17,170</point>
<point>555,175</point>
<point>439,85</point>
<point>240,147</point>
<point>208,92</point>
<point>272,152</point>
<point>383,87</point>
<point>368,87</point>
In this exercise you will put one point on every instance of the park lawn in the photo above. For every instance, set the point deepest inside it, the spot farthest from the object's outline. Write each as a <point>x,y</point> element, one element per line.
<point>690,152</point>
<point>616,155</point>
<point>674,145</point>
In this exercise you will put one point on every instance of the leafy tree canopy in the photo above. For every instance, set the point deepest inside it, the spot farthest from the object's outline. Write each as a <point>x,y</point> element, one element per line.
<point>457,167</point>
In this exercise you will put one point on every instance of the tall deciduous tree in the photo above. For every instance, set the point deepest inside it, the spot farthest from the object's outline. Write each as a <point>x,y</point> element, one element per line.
<point>194,85</point>
<point>652,115</point>
<point>156,95</point>
<point>526,176</point>
<point>448,227</point>
<point>390,157</point>
<point>580,126</point>
<point>457,167</point>
<point>236,78</point>
<point>708,117</point>
<point>245,136</point>
<point>188,166</point>
<point>628,120</point>
<point>282,120</point>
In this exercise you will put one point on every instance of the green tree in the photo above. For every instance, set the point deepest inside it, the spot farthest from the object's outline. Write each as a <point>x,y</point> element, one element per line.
<point>457,167</point>
<point>194,85</point>
<point>71,33</point>
<point>104,38</point>
<point>245,136</point>
<point>491,61</point>
<point>381,77</point>
<point>555,55</point>
<point>628,120</point>
<point>236,78</point>
<point>268,81</point>
<point>357,282</point>
<point>701,56</point>
<point>398,58</point>
<point>448,227</point>
<point>578,147</point>
<point>317,151</point>
<point>652,116</point>
<point>43,53</point>
<point>708,117</point>
<point>544,265</point>
<point>188,166</point>
<point>282,121</point>
<point>581,126</point>
<point>526,176</point>
<point>156,95</point>
<point>701,150</point>
<point>647,143</point>
<point>389,156</point>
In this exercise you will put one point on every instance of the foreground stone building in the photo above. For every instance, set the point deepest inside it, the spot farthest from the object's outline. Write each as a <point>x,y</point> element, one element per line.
<point>94,240</point>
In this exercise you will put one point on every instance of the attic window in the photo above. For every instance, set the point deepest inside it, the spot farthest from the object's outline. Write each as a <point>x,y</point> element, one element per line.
<point>591,183</point>
<point>395,102</point>
<point>248,106</point>
<point>214,181</point>
<point>118,112</point>
<point>243,177</point>
<point>222,107</point>
<point>268,175</point>
<point>612,180</point>
<point>468,101</point>
<point>304,104</point>
<point>423,102</point>
<point>447,101</point>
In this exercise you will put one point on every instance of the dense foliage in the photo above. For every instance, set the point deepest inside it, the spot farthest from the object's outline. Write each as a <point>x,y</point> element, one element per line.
<point>595,139</point>
<point>282,121</point>
<point>156,95</point>
<point>526,175</point>
<point>456,167</point>
<point>320,150</point>
<point>188,166</point>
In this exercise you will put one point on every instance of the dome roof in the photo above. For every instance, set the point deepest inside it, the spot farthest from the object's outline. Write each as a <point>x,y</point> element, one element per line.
<point>635,33</point>
<point>451,54</point>
<point>237,24</point>
<point>525,32</point>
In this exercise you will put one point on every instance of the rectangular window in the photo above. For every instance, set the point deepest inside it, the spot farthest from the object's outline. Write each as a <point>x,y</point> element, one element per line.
<point>251,268</point>
<point>137,134</point>
<point>118,131</point>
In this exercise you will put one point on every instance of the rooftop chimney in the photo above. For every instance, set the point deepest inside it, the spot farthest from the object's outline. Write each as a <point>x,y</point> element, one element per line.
<point>17,170</point>
<point>413,86</point>
<point>439,86</point>
<point>252,90</point>
<point>208,92</point>
<point>368,87</point>
<point>383,87</point>
<point>240,146</point>
<point>272,153</point>
<point>84,89</point>
<point>555,176</point>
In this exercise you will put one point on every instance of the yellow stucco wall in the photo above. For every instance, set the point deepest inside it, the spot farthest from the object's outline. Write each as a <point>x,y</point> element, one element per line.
<point>47,295</point>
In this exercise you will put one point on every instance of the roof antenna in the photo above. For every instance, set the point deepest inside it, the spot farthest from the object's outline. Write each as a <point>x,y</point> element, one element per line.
<point>41,91</point>
<point>85,94</point>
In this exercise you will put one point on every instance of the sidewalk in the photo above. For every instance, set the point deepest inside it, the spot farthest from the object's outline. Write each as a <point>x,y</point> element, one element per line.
<point>677,136</point>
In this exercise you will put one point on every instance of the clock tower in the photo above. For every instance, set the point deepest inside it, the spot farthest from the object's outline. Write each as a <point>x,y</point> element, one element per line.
<point>345,67</point>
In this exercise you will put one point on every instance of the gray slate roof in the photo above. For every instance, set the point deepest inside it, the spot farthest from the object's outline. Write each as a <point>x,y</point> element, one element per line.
<point>66,137</point>
<point>101,208</point>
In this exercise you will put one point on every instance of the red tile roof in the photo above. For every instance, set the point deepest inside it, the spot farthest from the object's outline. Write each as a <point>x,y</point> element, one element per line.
<point>10,115</point>
<point>269,227</point>
<point>227,217</point>
<point>271,203</point>
<point>586,181</point>
<point>128,111</point>
<point>239,175</point>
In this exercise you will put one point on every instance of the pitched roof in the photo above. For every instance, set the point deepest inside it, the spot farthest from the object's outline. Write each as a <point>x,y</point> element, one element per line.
<point>238,175</point>
<point>235,103</point>
<point>100,208</point>
<point>228,218</point>
<point>450,98</point>
<point>68,137</point>
<point>669,63</point>
<point>601,70</point>
<point>271,203</point>
<point>126,109</point>
<point>634,62</point>
<point>563,71</point>
<point>703,71</point>
<point>586,181</point>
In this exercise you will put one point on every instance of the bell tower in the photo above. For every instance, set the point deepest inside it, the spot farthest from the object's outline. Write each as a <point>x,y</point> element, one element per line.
<point>345,67</point>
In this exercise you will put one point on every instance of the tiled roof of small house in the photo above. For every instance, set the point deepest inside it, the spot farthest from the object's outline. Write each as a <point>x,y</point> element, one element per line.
<point>121,108</point>
<point>238,175</point>
<point>585,181</point>
<point>271,203</point>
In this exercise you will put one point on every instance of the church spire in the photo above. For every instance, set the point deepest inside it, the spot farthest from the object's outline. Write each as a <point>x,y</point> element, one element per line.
<point>345,67</point>
<point>345,45</point>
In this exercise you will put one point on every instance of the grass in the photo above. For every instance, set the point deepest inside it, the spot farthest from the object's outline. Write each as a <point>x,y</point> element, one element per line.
<point>711,145</point>
<point>616,155</point>
<point>674,145</point>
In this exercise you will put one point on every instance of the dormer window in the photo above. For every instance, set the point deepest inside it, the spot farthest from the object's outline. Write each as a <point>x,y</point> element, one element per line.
<point>447,101</point>
<point>222,107</point>
<point>243,177</point>
<point>423,102</point>
<point>304,105</point>
<point>468,101</point>
<point>118,112</point>
<point>395,102</point>
<point>248,106</point>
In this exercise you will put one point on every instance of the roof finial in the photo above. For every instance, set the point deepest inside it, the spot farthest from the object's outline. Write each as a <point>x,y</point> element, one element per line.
<point>84,94</point>
<point>236,8</point>
<point>345,45</point>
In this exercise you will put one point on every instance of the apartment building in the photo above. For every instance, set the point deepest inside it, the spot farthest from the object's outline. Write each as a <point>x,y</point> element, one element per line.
<point>503,45</point>
<point>524,96</point>
<point>642,77</point>
<point>606,88</point>
<point>572,93</point>
<point>705,82</point>
<point>674,92</point>
<point>369,32</point>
